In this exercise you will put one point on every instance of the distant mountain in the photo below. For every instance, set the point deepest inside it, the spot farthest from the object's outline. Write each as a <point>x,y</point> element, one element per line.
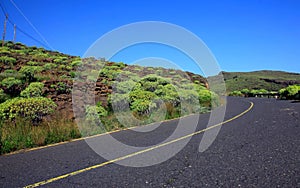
<point>264,79</point>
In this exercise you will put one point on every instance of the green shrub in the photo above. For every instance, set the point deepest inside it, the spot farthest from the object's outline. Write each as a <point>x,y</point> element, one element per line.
<point>290,92</point>
<point>10,73</point>
<point>39,56</point>
<point>235,93</point>
<point>245,91</point>
<point>11,82</point>
<point>142,106</point>
<point>60,60</point>
<point>62,88</point>
<point>125,87</point>
<point>76,63</point>
<point>95,112</point>
<point>49,66</point>
<point>205,97</point>
<point>4,50</point>
<point>29,72</point>
<point>68,68</point>
<point>33,63</point>
<point>73,74</point>
<point>35,89</point>
<point>61,67</point>
<point>7,60</point>
<point>29,108</point>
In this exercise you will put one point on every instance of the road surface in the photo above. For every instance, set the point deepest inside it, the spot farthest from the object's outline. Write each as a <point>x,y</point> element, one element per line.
<point>259,148</point>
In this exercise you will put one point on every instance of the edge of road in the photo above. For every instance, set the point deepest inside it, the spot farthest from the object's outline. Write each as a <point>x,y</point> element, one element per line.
<point>47,181</point>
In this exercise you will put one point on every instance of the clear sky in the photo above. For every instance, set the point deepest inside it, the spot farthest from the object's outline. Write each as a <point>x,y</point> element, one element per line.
<point>242,35</point>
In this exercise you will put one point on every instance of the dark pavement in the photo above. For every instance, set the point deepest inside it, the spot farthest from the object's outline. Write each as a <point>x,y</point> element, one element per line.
<point>258,149</point>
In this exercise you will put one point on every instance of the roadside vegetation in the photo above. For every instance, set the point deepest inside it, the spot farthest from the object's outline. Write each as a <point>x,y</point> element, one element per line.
<point>291,92</point>
<point>256,80</point>
<point>36,96</point>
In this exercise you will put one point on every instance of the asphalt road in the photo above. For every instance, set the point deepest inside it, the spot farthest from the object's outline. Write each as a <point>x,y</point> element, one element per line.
<point>258,149</point>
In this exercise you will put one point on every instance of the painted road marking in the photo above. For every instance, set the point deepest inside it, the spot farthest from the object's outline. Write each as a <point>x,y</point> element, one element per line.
<point>136,153</point>
<point>88,137</point>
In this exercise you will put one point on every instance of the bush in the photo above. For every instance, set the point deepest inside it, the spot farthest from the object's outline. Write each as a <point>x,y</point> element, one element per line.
<point>33,63</point>
<point>142,106</point>
<point>245,92</point>
<point>205,97</point>
<point>73,74</point>
<point>76,63</point>
<point>60,60</point>
<point>49,66</point>
<point>125,87</point>
<point>95,112</point>
<point>7,60</point>
<point>290,92</point>
<point>62,88</point>
<point>35,89</point>
<point>33,109</point>
<point>236,93</point>
<point>11,82</point>
<point>29,72</point>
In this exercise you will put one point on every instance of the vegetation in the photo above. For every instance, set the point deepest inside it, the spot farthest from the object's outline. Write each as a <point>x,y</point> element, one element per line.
<point>291,92</point>
<point>36,101</point>
<point>269,80</point>
<point>33,109</point>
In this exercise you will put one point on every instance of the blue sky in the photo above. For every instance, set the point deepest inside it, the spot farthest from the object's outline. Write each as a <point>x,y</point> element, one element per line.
<point>242,35</point>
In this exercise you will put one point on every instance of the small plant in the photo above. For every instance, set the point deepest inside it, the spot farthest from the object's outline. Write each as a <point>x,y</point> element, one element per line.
<point>76,63</point>
<point>49,66</point>
<point>62,88</point>
<point>33,63</point>
<point>35,89</point>
<point>93,113</point>
<point>60,60</point>
<point>29,72</point>
<point>10,73</point>
<point>29,108</point>
<point>73,74</point>
<point>7,60</point>
<point>62,67</point>
<point>11,82</point>
<point>68,68</point>
<point>236,93</point>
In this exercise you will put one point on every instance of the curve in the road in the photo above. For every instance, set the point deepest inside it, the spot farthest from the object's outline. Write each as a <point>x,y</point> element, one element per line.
<point>137,153</point>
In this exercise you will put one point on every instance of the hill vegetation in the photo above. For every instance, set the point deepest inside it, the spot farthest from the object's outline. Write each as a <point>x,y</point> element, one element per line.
<point>268,80</point>
<point>36,96</point>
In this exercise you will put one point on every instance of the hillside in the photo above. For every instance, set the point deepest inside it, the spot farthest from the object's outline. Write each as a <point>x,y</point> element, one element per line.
<point>56,71</point>
<point>36,98</point>
<point>265,79</point>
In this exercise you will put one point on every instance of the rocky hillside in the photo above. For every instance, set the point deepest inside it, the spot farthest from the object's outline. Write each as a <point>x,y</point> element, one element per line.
<point>21,65</point>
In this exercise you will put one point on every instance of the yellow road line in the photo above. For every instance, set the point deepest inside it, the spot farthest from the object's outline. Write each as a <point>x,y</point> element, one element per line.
<point>136,153</point>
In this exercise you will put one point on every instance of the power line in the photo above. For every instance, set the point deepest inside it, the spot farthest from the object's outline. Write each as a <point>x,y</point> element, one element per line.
<point>43,38</point>
<point>4,11</point>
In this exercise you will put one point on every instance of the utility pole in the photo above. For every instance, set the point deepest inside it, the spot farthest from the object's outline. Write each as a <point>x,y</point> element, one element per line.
<point>4,30</point>
<point>15,31</point>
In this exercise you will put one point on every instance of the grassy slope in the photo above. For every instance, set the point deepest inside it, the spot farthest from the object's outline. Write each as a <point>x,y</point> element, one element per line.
<point>269,80</point>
